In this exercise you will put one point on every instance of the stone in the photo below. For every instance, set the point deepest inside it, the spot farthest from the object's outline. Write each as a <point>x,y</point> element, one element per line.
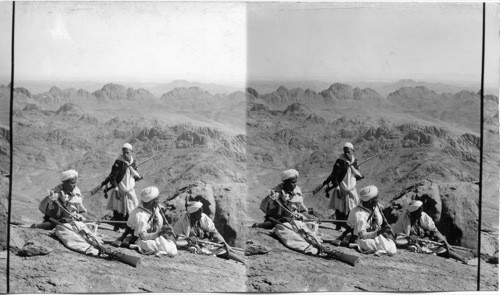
<point>32,248</point>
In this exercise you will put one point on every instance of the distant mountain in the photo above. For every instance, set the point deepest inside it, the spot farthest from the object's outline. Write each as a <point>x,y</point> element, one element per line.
<point>383,88</point>
<point>158,89</point>
<point>44,86</point>
<point>335,92</point>
<point>264,87</point>
<point>386,88</point>
<point>195,98</point>
<point>108,93</point>
<point>346,92</point>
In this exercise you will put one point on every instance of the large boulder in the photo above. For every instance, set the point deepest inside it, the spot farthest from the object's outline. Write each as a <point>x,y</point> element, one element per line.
<point>459,217</point>
<point>453,207</point>
<point>426,191</point>
<point>222,203</point>
<point>199,191</point>
<point>229,213</point>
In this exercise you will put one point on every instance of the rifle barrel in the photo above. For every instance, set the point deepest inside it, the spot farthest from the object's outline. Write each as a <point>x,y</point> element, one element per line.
<point>148,159</point>
<point>368,159</point>
<point>325,220</point>
<point>106,221</point>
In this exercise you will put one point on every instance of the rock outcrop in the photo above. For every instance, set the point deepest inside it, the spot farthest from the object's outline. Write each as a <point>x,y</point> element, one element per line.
<point>453,207</point>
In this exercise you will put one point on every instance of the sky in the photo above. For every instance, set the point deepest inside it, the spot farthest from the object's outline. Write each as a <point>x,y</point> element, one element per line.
<point>127,41</point>
<point>227,43</point>
<point>5,45</point>
<point>369,41</point>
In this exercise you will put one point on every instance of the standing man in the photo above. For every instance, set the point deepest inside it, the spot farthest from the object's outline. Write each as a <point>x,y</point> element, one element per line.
<point>122,178</point>
<point>343,182</point>
<point>374,234</point>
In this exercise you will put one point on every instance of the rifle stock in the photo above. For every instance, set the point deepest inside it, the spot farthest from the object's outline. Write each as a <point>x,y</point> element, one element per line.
<point>122,257</point>
<point>317,189</point>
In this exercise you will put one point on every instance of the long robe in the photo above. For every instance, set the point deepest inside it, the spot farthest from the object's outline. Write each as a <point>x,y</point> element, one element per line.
<point>424,227</point>
<point>343,176</point>
<point>360,220</point>
<point>293,240</point>
<point>294,201</point>
<point>141,220</point>
<point>73,204</point>
<point>202,229</point>
<point>124,200</point>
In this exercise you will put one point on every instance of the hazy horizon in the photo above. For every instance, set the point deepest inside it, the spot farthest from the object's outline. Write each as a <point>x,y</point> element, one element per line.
<point>40,86</point>
<point>123,41</point>
<point>372,41</point>
<point>232,43</point>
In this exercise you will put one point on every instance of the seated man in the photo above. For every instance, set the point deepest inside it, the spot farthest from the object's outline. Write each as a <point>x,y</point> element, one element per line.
<point>284,201</point>
<point>414,225</point>
<point>196,224</point>
<point>69,199</point>
<point>150,236</point>
<point>370,226</point>
<point>197,232</point>
<point>63,211</point>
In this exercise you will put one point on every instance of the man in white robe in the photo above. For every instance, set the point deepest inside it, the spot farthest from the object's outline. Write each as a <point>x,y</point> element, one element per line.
<point>195,223</point>
<point>147,224</point>
<point>342,181</point>
<point>122,178</point>
<point>415,225</point>
<point>369,225</point>
<point>69,197</point>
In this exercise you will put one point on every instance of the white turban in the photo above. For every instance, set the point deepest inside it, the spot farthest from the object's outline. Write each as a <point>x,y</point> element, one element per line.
<point>127,146</point>
<point>150,193</point>
<point>349,145</point>
<point>414,205</point>
<point>69,174</point>
<point>194,207</point>
<point>287,174</point>
<point>368,193</point>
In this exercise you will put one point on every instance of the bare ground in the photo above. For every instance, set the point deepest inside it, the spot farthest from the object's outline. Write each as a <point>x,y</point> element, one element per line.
<point>285,270</point>
<point>66,271</point>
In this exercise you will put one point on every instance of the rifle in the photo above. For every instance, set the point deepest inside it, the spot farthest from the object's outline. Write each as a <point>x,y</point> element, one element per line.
<point>325,220</point>
<point>319,187</point>
<point>105,221</point>
<point>122,257</point>
<point>338,255</point>
<point>214,244</point>
<point>229,251</point>
<point>99,187</point>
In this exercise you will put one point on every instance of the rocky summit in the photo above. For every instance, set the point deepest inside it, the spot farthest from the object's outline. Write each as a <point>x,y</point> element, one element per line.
<point>226,150</point>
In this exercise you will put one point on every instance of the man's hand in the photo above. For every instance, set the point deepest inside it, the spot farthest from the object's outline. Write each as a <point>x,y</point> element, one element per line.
<point>164,230</point>
<point>413,239</point>
<point>139,178</point>
<point>76,216</point>
<point>359,177</point>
